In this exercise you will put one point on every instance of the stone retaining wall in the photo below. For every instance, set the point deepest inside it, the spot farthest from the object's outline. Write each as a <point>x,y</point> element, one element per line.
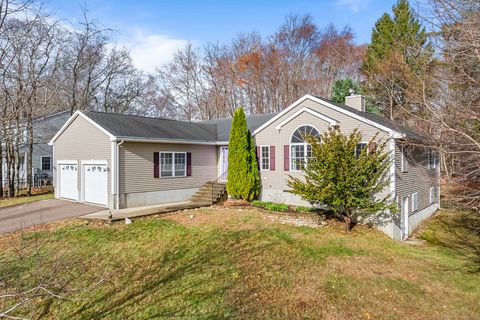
<point>297,219</point>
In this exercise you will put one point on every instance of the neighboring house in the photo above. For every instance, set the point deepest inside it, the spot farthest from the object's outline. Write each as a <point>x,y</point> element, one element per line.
<point>44,128</point>
<point>120,161</point>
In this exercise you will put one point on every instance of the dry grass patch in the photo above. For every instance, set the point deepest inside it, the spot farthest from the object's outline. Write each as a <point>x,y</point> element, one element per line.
<point>219,263</point>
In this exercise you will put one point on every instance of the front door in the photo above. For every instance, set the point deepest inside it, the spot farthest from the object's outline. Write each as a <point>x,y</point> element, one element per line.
<point>223,163</point>
<point>405,213</point>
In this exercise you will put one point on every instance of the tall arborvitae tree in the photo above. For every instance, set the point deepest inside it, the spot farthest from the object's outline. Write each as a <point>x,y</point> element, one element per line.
<point>254,177</point>
<point>243,180</point>
<point>398,57</point>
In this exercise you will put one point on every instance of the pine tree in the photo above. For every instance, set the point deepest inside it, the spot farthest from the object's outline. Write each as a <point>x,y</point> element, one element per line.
<point>341,88</point>
<point>243,179</point>
<point>344,180</point>
<point>397,58</point>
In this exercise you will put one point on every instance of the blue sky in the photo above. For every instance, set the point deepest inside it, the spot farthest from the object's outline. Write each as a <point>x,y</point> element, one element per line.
<point>153,30</point>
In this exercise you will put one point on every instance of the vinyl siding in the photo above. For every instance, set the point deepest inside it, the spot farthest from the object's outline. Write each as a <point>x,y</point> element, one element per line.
<point>81,140</point>
<point>271,136</point>
<point>417,178</point>
<point>136,168</point>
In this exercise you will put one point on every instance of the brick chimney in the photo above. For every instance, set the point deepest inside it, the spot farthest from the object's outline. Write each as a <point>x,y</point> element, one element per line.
<point>356,101</point>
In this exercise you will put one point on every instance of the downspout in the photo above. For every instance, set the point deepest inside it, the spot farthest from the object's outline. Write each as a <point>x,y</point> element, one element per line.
<point>117,176</point>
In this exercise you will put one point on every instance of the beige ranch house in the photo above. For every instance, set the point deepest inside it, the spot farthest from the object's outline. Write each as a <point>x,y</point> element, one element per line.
<point>119,161</point>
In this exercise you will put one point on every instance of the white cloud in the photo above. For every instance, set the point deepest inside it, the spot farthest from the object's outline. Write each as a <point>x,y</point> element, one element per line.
<point>353,5</point>
<point>150,50</point>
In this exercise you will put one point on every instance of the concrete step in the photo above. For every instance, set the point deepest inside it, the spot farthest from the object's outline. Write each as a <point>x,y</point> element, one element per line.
<point>209,192</point>
<point>215,187</point>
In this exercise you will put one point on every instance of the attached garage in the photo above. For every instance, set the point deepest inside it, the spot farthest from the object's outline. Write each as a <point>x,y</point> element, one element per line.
<point>87,174</point>
<point>68,180</point>
<point>95,182</point>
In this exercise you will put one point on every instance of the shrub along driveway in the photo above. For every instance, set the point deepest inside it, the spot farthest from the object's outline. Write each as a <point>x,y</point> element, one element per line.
<point>35,213</point>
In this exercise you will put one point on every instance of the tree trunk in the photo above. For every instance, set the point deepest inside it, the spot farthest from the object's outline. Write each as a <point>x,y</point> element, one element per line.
<point>348,223</point>
<point>1,171</point>
<point>29,172</point>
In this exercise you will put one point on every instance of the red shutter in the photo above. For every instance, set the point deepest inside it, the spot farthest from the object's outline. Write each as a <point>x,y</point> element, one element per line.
<point>286,157</point>
<point>257,150</point>
<point>156,165</point>
<point>372,147</point>
<point>189,164</point>
<point>272,158</point>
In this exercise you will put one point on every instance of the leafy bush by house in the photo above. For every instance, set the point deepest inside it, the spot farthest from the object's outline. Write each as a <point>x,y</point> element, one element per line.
<point>271,206</point>
<point>346,182</point>
<point>305,209</point>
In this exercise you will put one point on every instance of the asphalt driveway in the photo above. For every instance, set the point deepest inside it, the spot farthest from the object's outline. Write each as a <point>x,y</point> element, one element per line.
<point>35,213</point>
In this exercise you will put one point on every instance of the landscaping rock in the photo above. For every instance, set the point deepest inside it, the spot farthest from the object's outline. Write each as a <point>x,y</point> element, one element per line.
<point>236,203</point>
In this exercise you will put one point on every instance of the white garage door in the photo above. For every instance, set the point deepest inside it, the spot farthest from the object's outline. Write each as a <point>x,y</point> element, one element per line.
<point>68,181</point>
<point>95,177</point>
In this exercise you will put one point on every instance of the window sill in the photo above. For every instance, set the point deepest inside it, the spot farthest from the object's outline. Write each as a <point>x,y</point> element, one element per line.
<point>176,177</point>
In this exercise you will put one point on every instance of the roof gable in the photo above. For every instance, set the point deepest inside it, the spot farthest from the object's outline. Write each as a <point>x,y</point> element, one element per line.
<point>396,130</point>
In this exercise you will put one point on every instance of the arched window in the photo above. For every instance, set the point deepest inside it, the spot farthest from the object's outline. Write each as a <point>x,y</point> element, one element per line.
<point>300,150</point>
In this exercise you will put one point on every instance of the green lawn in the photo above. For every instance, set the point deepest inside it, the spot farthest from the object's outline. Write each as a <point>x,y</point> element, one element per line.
<point>219,263</point>
<point>19,200</point>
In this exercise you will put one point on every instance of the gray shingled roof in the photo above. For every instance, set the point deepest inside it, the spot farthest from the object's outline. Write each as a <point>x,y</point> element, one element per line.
<point>409,133</point>
<point>128,126</point>
<point>224,124</point>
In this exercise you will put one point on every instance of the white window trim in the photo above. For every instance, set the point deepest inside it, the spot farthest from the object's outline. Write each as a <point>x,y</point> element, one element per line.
<point>173,164</point>
<point>414,201</point>
<point>361,142</point>
<point>331,122</point>
<point>41,163</point>
<point>393,133</point>
<point>403,160</point>
<point>431,195</point>
<point>261,157</point>
<point>431,154</point>
<point>304,144</point>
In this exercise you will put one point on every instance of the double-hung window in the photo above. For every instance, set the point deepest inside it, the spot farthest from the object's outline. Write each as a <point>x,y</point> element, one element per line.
<point>403,159</point>
<point>46,164</point>
<point>173,164</point>
<point>432,159</point>
<point>414,201</point>
<point>265,157</point>
<point>359,148</point>
<point>433,194</point>
<point>300,149</point>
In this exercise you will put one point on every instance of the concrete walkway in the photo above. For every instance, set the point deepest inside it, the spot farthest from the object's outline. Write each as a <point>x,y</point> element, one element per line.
<point>114,215</point>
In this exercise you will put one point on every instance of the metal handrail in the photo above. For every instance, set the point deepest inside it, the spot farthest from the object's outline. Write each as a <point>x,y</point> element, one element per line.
<point>216,180</point>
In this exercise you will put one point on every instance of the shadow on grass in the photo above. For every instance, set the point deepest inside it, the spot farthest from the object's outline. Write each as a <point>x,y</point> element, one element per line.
<point>188,280</point>
<point>459,232</point>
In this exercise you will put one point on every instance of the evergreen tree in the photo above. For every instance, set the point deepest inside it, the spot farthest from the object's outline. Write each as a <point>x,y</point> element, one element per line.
<point>341,88</point>
<point>243,179</point>
<point>345,178</point>
<point>397,57</point>
<point>254,177</point>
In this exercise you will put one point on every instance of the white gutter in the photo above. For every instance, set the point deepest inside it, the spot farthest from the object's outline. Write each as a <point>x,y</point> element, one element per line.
<point>117,174</point>
<point>155,140</point>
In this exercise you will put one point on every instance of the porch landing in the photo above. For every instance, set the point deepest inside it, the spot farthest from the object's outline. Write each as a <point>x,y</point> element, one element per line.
<point>114,215</point>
